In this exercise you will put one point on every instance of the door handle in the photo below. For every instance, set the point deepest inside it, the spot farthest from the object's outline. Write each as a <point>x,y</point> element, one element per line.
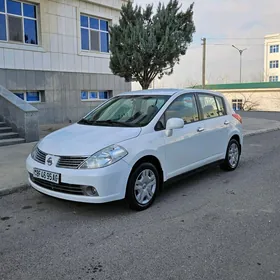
<point>200,129</point>
<point>226,122</point>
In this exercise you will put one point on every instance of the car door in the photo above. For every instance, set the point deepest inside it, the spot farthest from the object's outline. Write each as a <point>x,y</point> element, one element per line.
<point>185,147</point>
<point>216,124</point>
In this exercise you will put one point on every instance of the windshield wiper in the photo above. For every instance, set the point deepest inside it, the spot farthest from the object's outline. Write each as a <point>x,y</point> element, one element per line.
<point>113,123</point>
<point>84,121</point>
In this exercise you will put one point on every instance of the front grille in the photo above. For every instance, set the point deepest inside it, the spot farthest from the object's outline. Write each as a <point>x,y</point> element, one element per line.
<point>61,187</point>
<point>40,156</point>
<point>63,162</point>
<point>70,162</point>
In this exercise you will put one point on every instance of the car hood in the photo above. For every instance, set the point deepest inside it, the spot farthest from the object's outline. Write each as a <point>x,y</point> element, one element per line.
<point>85,140</point>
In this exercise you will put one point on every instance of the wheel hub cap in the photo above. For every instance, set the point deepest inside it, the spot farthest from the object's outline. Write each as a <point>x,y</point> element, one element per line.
<point>145,186</point>
<point>233,155</point>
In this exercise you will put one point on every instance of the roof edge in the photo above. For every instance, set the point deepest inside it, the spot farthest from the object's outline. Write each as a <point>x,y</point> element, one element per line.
<point>260,85</point>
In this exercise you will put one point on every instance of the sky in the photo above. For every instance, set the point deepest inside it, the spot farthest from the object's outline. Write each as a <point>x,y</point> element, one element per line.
<point>224,23</point>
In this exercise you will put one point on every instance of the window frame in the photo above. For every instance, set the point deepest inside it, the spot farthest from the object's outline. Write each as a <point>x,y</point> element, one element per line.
<point>24,92</point>
<point>273,64</point>
<point>95,99</point>
<point>97,30</point>
<point>273,78</point>
<point>214,96</point>
<point>237,101</point>
<point>274,48</point>
<point>22,17</point>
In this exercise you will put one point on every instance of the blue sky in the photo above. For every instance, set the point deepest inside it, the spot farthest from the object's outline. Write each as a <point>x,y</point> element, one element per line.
<point>223,23</point>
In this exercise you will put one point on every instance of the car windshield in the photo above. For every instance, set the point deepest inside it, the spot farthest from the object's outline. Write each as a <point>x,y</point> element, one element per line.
<point>126,111</point>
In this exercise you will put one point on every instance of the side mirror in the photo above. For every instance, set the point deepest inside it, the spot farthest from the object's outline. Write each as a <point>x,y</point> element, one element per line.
<point>173,123</point>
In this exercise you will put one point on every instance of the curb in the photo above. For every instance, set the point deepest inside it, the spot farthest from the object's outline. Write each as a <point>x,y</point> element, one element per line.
<point>24,187</point>
<point>260,131</point>
<point>12,190</point>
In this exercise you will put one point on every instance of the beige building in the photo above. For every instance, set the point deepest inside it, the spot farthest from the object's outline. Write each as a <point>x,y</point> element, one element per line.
<point>272,58</point>
<point>251,96</point>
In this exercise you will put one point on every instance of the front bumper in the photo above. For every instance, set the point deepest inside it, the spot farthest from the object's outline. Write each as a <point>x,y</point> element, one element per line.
<point>110,182</point>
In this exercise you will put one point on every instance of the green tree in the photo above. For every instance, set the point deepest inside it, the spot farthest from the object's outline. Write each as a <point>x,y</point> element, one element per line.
<point>145,44</point>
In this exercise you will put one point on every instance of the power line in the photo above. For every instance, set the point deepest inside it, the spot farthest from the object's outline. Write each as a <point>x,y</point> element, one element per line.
<point>192,47</point>
<point>238,44</point>
<point>244,38</point>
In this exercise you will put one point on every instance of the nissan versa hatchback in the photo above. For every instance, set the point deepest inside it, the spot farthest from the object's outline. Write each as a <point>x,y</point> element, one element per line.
<point>130,145</point>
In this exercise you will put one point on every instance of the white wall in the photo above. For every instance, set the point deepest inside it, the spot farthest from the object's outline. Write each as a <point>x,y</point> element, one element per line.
<point>59,46</point>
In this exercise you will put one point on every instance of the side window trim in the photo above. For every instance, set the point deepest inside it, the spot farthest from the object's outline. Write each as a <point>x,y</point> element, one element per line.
<point>199,107</point>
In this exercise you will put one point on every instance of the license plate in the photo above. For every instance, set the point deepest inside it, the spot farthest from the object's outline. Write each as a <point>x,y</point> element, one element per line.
<point>46,175</point>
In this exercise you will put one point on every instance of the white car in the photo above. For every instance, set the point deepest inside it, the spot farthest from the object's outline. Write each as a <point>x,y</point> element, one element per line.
<point>130,145</point>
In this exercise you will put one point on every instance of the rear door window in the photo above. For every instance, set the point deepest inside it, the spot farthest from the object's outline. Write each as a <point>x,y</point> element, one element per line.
<point>208,106</point>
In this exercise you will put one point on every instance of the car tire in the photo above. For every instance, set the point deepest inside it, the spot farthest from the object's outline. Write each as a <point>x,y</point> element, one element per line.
<point>143,185</point>
<point>232,158</point>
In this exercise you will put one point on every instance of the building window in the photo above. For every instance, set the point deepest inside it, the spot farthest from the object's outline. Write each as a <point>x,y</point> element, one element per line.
<point>30,96</point>
<point>273,78</point>
<point>274,48</point>
<point>237,104</point>
<point>94,95</point>
<point>274,64</point>
<point>18,22</point>
<point>94,34</point>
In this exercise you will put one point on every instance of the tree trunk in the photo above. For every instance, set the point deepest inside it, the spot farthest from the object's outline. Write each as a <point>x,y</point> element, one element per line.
<point>145,84</point>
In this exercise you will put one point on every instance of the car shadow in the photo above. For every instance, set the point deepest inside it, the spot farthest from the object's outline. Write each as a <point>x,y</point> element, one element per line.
<point>175,187</point>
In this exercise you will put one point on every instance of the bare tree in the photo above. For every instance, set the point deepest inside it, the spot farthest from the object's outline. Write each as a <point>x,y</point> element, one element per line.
<point>249,103</point>
<point>190,84</point>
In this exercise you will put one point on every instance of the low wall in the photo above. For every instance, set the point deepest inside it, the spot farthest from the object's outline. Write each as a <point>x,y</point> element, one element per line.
<point>21,116</point>
<point>261,99</point>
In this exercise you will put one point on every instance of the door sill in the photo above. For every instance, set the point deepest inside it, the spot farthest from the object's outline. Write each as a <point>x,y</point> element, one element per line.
<point>193,172</point>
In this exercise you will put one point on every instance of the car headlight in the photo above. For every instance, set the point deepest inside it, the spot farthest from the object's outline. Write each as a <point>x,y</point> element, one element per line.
<point>104,157</point>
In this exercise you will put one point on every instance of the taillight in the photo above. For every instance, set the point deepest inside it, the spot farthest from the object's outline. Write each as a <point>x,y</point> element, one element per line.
<point>238,117</point>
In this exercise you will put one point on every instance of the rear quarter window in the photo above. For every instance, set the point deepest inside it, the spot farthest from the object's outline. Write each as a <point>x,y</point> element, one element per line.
<point>221,106</point>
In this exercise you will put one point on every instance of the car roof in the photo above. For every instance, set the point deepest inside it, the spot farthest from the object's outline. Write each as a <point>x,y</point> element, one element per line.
<point>167,91</point>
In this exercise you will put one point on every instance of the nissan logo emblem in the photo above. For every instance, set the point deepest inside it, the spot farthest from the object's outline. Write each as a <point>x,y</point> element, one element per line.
<point>49,161</point>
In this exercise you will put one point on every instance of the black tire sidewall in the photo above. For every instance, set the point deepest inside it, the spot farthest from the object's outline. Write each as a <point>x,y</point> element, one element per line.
<point>130,195</point>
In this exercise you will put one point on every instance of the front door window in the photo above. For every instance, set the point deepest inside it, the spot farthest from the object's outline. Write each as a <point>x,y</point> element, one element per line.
<point>183,107</point>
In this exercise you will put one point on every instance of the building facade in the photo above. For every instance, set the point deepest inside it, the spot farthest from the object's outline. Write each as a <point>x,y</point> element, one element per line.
<point>55,55</point>
<point>272,58</point>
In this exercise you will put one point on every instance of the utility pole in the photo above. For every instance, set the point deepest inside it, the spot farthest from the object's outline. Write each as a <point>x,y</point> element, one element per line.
<point>240,53</point>
<point>203,61</point>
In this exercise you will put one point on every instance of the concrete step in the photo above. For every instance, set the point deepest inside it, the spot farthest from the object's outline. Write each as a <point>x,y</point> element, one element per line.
<point>8,135</point>
<point>5,129</point>
<point>2,124</point>
<point>8,142</point>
